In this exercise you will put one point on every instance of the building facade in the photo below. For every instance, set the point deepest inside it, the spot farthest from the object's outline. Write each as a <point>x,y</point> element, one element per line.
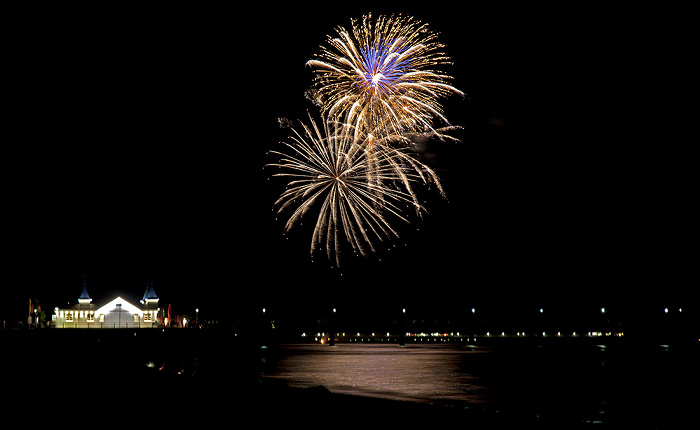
<point>115,312</point>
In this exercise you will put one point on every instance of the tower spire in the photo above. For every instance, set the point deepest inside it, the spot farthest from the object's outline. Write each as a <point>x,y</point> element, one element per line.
<point>149,296</point>
<point>84,297</point>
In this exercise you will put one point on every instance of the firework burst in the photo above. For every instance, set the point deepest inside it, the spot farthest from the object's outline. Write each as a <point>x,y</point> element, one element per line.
<point>379,92</point>
<point>381,76</point>
<point>353,181</point>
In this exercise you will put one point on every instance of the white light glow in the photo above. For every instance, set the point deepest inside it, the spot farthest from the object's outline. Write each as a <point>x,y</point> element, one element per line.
<point>118,301</point>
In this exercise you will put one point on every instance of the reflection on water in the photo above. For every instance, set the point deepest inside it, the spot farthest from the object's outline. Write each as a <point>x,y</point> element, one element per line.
<point>580,381</point>
<point>417,373</point>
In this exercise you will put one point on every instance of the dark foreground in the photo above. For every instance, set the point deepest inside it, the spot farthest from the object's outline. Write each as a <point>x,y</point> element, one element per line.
<point>213,378</point>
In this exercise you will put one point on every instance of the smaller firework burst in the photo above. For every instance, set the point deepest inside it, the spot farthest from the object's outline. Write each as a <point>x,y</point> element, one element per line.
<point>353,181</point>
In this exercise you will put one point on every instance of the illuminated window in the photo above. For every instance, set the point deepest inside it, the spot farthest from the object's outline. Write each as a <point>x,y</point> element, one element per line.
<point>136,318</point>
<point>90,317</point>
<point>69,316</point>
<point>102,318</point>
<point>147,317</point>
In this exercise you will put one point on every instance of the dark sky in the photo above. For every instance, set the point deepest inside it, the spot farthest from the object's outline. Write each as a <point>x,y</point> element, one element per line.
<point>142,135</point>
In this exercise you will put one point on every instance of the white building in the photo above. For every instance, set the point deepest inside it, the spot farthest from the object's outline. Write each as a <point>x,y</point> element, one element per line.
<point>113,313</point>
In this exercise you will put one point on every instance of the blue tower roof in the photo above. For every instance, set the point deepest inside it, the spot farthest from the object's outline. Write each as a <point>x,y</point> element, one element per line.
<point>149,294</point>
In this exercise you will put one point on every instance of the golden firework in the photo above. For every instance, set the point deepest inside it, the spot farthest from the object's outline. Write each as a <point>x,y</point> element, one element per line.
<point>354,182</point>
<point>383,76</point>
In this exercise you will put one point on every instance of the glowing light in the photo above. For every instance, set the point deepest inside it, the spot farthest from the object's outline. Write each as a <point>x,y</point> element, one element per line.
<point>128,307</point>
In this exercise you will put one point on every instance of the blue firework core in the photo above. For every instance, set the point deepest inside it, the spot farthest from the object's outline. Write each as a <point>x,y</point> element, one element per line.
<point>382,68</point>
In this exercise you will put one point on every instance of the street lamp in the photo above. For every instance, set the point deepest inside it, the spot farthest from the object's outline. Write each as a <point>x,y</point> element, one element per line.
<point>196,315</point>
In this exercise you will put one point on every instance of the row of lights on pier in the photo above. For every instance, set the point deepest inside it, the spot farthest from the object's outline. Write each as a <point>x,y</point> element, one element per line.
<point>602,310</point>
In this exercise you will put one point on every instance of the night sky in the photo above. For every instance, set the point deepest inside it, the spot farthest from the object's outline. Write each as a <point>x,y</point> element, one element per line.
<point>141,137</point>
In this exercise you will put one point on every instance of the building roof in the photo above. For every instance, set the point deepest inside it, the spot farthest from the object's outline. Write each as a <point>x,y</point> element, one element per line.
<point>106,304</point>
<point>84,294</point>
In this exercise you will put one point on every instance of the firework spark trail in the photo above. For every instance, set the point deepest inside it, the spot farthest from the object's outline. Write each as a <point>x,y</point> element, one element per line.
<point>380,76</point>
<point>330,165</point>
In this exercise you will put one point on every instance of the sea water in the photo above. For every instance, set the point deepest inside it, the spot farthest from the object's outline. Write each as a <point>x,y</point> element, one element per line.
<point>585,382</point>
